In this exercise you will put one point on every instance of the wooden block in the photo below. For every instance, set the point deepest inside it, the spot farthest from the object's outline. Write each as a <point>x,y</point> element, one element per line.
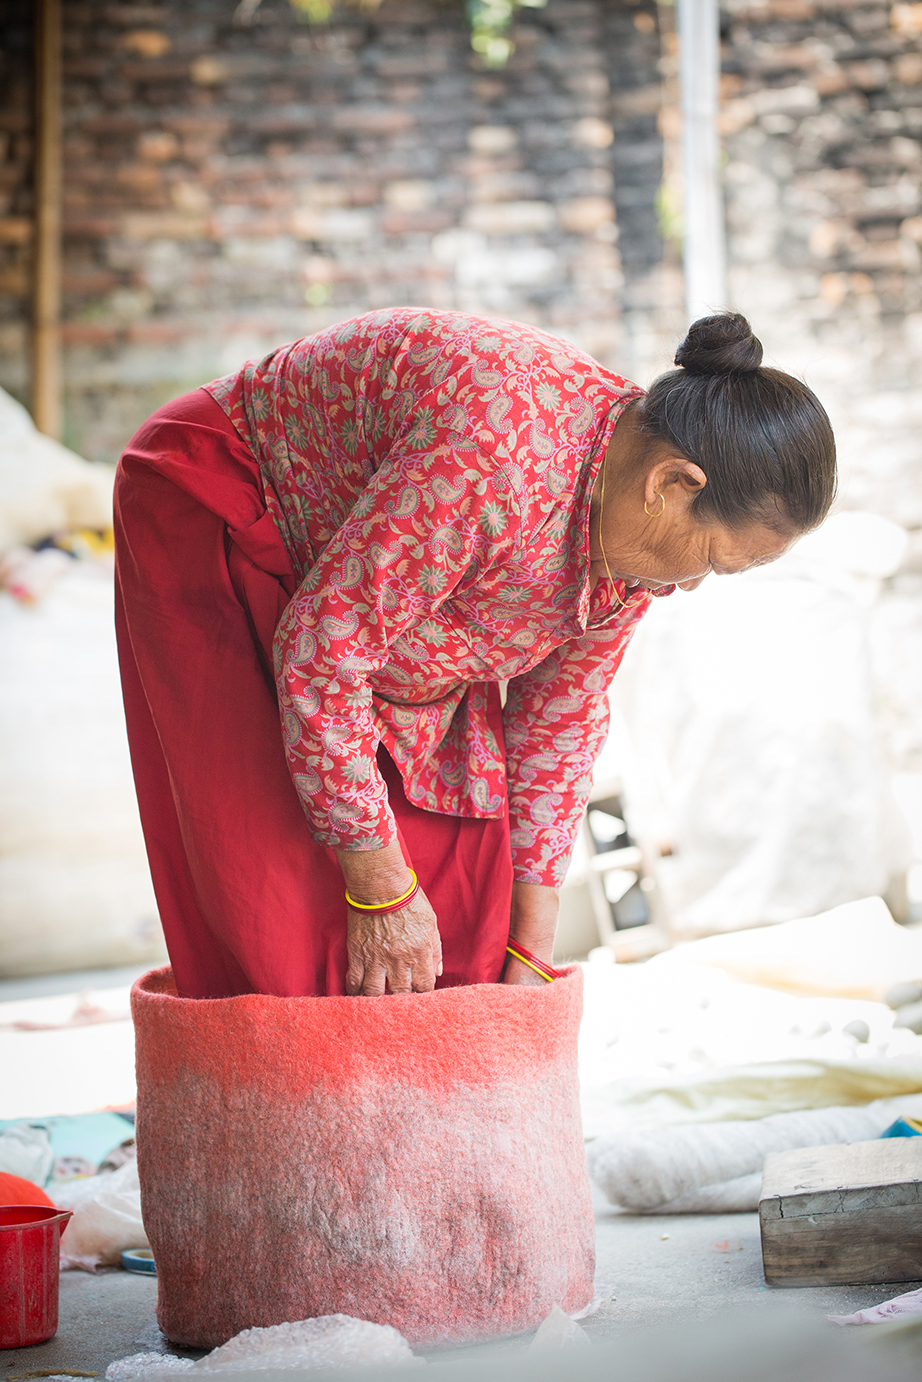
<point>843,1215</point>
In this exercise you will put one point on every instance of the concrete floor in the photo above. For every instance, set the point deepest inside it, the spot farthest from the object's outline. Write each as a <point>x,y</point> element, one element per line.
<point>652,1272</point>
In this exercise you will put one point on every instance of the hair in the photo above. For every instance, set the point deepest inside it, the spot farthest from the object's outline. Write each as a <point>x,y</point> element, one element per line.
<point>761,437</point>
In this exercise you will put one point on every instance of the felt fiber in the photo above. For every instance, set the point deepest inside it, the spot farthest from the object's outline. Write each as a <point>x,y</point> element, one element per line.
<point>414,1160</point>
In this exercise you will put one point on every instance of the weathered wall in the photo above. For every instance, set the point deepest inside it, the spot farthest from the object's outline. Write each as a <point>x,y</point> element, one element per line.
<point>822,119</point>
<point>229,187</point>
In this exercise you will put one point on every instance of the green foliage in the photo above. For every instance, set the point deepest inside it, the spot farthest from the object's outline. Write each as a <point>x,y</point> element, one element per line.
<point>669,215</point>
<point>490,21</point>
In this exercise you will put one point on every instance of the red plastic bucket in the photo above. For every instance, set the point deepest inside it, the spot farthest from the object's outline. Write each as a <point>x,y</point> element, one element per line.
<point>30,1258</point>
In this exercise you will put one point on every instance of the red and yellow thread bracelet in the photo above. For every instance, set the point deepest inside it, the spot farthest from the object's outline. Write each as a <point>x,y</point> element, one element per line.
<point>394,906</point>
<point>546,971</point>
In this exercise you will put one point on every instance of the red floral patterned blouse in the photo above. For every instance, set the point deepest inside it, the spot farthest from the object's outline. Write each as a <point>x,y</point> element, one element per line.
<point>431,474</point>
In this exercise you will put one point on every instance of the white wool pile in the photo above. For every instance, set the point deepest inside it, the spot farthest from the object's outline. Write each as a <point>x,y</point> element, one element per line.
<point>717,1167</point>
<point>676,1041</point>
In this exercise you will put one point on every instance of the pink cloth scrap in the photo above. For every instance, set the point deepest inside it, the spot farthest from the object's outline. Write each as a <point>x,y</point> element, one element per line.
<point>910,1303</point>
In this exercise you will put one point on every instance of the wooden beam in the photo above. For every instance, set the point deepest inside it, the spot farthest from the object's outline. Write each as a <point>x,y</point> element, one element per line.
<point>46,301</point>
<point>844,1214</point>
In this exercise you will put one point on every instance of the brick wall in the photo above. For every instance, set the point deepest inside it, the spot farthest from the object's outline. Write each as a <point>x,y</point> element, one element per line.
<point>822,117</point>
<point>229,187</point>
<point>822,120</point>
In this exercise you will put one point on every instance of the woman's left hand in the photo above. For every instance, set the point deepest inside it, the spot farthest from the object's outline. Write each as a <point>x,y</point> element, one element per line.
<point>533,923</point>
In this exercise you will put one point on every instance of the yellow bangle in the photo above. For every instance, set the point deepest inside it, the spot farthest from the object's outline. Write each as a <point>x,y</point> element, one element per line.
<point>387,906</point>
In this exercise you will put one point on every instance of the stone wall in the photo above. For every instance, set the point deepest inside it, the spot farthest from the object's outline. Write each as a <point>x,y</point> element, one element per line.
<point>822,122</point>
<point>229,187</point>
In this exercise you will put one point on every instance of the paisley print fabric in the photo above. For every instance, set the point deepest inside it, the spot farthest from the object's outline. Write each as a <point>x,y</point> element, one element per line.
<point>431,475</point>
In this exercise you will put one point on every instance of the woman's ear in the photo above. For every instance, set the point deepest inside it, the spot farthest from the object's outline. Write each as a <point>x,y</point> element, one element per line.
<point>690,476</point>
<point>673,470</point>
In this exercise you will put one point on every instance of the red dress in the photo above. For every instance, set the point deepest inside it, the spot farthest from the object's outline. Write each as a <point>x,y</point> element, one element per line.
<point>376,527</point>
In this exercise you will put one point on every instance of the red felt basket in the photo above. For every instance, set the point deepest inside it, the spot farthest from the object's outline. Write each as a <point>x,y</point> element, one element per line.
<point>414,1160</point>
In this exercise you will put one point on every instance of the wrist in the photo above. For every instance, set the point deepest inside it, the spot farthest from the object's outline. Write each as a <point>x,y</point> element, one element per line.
<point>375,875</point>
<point>533,918</point>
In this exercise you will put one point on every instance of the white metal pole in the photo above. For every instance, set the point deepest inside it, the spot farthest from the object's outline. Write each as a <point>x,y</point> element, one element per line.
<point>702,200</point>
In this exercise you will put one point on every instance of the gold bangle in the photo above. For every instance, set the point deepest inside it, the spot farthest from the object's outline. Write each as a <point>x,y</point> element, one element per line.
<point>386,906</point>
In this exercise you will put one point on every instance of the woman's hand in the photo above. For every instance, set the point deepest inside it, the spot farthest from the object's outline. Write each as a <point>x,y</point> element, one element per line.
<point>401,949</point>
<point>533,923</point>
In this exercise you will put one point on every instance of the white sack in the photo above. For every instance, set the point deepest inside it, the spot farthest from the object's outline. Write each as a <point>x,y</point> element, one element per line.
<point>44,487</point>
<point>27,1152</point>
<point>107,1218</point>
<point>75,890</point>
<point>752,710</point>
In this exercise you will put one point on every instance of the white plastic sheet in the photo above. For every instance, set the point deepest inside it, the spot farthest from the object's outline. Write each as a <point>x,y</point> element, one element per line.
<point>26,1151</point>
<point>74,879</point>
<point>677,1041</point>
<point>754,718</point>
<point>107,1218</point>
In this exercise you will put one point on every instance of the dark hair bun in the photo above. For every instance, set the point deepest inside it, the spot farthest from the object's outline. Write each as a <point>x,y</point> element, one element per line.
<point>723,344</point>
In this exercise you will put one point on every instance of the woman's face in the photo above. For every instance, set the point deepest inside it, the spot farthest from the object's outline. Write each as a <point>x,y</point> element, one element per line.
<point>682,551</point>
<point>650,536</point>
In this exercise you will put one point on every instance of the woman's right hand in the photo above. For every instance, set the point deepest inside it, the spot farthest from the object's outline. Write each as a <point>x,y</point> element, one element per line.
<point>401,950</point>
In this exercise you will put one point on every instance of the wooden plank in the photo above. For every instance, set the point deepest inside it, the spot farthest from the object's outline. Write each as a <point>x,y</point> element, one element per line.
<point>843,1215</point>
<point>46,303</point>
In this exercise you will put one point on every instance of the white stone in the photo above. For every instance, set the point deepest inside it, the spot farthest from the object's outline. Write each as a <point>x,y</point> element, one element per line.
<point>510,218</point>
<point>491,140</point>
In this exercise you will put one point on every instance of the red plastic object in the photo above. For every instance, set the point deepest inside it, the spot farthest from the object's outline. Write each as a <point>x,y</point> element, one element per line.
<point>30,1254</point>
<point>15,1190</point>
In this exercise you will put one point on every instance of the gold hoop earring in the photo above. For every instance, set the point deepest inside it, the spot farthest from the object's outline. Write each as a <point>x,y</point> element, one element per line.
<point>659,512</point>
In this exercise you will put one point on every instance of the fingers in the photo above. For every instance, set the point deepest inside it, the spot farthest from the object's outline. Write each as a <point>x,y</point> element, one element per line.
<point>354,980</point>
<point>424,975</point>
<point>399,978</point>
<point>365,977</point>
<point>374,981</point>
